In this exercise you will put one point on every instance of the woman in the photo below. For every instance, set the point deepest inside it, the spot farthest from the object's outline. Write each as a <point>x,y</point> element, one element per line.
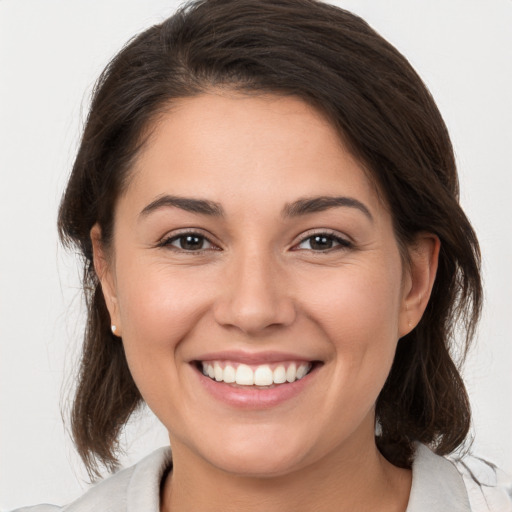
<point>265,198</point>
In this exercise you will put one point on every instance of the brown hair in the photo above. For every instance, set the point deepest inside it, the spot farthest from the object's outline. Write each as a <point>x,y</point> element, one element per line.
<point>384,113</point>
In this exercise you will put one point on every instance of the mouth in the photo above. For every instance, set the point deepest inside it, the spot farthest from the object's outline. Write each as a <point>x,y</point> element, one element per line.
<point>255,381</point>
<point>263,376</point>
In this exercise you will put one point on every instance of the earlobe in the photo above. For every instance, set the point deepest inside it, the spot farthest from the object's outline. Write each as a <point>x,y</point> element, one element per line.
<point>104,272</point>
<point>423,261</point>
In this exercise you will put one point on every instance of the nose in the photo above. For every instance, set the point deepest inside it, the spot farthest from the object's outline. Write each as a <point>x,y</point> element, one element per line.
<point>255,297</point>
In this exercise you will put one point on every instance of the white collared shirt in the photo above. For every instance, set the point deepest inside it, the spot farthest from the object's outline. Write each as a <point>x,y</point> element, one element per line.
<point>438,485</point>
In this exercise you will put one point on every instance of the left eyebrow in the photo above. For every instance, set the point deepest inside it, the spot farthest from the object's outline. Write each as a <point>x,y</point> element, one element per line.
<point>308,205</point>
<point>189,204</point>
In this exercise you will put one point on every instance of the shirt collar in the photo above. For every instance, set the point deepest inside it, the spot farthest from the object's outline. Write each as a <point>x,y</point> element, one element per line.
<point>144,485</point>
<point>436,484</point>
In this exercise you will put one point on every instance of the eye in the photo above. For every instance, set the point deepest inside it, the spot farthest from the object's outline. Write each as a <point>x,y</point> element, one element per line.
<point>322,242</point>
<point>188,242</point>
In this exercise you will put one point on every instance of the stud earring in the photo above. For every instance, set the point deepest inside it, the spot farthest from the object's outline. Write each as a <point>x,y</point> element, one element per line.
<point>114,328</point>
<point>408,318</point>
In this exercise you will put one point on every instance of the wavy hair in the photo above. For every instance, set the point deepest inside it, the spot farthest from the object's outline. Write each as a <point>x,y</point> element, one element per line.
<point>385,115</point>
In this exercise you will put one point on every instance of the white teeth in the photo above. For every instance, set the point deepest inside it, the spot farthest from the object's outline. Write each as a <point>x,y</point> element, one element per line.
<point>291,373</point>
<point>217,369</point>
<point>263,375</point>
<point>229,374</point>
<point>279,375</point>
<point>301,371</point>
<point>244,375</point>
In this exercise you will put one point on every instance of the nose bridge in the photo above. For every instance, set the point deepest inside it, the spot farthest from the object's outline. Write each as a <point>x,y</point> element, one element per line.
<point>256,295</point>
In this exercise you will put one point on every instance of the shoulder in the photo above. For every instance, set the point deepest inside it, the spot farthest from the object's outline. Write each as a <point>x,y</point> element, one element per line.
<point>137,487</point>
<point>489,488</point>
<point>457,484</point>
<point>39,508</point>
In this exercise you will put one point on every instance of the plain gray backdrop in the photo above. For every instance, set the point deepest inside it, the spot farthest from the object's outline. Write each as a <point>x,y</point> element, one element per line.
<point>52,51</point>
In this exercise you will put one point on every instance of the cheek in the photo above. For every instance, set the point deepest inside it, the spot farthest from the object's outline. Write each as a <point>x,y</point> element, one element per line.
<point>158,308</point>
<point>355,301</point>
<point>159,302</point>
<point>358,313</point>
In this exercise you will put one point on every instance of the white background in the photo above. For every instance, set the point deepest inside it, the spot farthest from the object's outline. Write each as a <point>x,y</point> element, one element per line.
<point>50,54</point>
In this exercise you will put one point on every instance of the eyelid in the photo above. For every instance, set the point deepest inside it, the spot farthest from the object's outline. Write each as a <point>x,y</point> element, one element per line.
<point>343,240</point>
<point>165,241</point>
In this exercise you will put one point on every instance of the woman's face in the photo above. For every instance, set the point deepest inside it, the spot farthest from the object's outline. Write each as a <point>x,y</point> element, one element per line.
<point>249,242</point>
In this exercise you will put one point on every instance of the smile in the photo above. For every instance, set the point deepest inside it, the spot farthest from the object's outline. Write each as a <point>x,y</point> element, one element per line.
<point>255,375</point>
<point>255,381</point>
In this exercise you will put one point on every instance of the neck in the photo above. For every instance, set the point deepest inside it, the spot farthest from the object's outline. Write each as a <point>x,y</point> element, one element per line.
<point>346,480</point>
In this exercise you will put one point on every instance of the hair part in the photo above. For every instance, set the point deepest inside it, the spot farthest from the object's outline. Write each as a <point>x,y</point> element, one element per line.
<point>386,117</point>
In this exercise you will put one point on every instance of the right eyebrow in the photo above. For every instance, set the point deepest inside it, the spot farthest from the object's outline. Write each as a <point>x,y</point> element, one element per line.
<point>315,204</point>
<point>189,204</point>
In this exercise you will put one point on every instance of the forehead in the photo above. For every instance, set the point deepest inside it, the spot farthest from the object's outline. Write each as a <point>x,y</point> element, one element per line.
<point>247,150</point>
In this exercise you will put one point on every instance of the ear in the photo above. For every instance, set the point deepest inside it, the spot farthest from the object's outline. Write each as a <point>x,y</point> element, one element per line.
<point>104,271</point>
<point>419,280</point>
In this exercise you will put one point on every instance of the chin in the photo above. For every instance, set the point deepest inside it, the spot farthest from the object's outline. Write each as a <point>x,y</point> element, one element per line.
<point>262,465</point>
<point>261,454</point>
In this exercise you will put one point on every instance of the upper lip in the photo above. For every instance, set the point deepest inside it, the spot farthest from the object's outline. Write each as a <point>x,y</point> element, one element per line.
<point>252,357</point>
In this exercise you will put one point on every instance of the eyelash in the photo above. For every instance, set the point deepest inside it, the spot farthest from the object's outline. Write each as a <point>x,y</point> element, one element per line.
<point>167,242</point>
<point>330,236</point>
<point>343,243</point>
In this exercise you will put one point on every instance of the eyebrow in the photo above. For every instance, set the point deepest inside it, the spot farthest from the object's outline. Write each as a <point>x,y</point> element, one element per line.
<point>202,206</point>
<point>321,203</point>
<point>303,206</point>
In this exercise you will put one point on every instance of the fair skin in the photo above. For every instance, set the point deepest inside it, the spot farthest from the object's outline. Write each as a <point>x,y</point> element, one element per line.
<point>264,281</point>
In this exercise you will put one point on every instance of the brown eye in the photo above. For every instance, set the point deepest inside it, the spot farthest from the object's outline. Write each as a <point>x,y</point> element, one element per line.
<point>322,242</point>
<point>188,242</point>
<point>191,242</point>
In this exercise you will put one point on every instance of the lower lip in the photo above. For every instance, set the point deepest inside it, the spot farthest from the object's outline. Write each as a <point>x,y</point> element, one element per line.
<point>252,397</point>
